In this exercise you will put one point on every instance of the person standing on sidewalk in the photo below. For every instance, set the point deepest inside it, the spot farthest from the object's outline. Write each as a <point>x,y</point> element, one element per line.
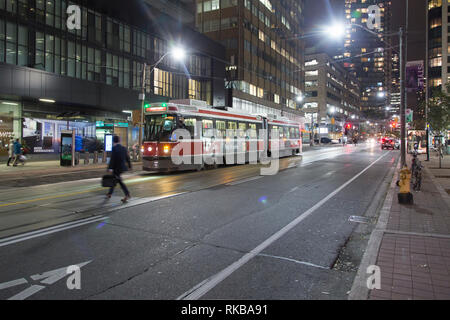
<point>10,152</point>
<point>17,152</point>
<point>118,165</point>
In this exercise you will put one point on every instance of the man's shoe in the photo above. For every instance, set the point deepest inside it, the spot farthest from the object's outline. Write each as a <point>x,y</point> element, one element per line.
<point>125,200</point>
<point>108,196</point>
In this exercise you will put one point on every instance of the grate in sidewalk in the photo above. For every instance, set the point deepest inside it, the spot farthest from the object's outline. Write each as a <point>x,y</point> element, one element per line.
<point>359,219</point>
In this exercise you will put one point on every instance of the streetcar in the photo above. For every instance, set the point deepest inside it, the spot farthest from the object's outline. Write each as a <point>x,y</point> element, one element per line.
<point>214,135</point>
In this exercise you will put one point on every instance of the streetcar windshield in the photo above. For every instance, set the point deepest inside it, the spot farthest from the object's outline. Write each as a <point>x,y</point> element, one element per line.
<point>159,127</point>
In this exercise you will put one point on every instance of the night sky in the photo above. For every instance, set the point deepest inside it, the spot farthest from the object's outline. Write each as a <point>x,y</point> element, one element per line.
<point>321,12</point>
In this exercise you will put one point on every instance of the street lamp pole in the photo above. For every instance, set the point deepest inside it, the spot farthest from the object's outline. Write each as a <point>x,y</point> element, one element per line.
<point>142,97</point>
<point>427,97</point>
<point>178,54</point>
<point>402,100</point>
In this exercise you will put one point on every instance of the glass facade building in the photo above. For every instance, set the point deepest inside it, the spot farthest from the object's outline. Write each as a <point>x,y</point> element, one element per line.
<point>91,75</point>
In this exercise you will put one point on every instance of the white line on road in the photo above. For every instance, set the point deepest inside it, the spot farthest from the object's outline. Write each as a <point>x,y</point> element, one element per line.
<point>243,181</point>
<point>294,261</point>
<point>79,223</point>
<point>201,289</point>
<point>47,231</point>
<point>12,283</point>
<point>27,292</point>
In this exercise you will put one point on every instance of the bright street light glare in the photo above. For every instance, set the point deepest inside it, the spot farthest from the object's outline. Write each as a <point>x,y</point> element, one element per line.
<point>336,31</point>
<point>381,94</point>
<point>178,53</point>
<point>300,98</point>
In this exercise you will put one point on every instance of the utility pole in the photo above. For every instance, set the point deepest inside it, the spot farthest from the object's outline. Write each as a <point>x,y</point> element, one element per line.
<point>402,98</point>
<point>427,97</point>
<point>142,98</point>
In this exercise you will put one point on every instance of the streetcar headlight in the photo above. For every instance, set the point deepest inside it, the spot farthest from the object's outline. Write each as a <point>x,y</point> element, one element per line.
<point>142,149</point>
<point>166,149</point>
<point>150,149</point>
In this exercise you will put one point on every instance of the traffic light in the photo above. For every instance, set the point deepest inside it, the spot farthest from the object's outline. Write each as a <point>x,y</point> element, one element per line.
<point>348,126</point>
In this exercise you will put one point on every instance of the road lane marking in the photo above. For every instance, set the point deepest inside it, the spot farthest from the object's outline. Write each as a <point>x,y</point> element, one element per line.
<point>27,292</point>
<point>200,290</point>
<point>18,282</point>
<point>74,224</point>
<point>234,183</point>
<point>39,233</point>
<point>47,278</point>
<point>294,261</point>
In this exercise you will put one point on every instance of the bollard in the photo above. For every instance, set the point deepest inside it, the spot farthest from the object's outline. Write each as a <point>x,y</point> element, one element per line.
<point>405,196</point>
<point>86,158</point>
<point>95,156</point>
<point>104,155</point>
<point>77,158</point>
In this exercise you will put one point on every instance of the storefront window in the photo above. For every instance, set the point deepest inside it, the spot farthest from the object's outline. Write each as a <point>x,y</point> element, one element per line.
<point>10,115</point>
<point>43,135</point>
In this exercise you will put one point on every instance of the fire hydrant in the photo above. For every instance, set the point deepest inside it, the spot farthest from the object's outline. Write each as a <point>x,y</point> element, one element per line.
<point>405,196</point>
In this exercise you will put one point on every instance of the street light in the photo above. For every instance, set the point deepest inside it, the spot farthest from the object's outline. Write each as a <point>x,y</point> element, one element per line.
<point>178,53</point>
<point>336,31</point>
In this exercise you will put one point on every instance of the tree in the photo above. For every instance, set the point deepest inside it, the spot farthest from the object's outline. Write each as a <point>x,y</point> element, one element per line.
<point>439,110</point>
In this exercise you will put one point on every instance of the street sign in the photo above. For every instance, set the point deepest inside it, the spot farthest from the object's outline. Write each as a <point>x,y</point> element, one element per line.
<point>409,115</point>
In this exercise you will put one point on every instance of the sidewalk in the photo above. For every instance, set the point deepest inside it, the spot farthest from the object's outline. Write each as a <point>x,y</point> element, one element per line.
<point>414,253</point>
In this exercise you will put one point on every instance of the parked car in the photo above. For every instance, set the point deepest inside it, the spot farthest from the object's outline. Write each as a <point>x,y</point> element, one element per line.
<point>325,140</point>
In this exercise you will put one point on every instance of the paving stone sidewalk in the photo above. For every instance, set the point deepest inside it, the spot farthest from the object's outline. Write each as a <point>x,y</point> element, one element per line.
<point>414,255</point>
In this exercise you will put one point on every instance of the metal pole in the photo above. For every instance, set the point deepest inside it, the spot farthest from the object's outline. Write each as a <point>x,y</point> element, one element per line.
<point>427,90</point>
<point>402,102</point>
<point>141,123</point>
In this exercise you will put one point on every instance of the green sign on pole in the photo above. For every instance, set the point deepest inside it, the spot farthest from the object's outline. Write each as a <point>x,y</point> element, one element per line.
<point>409,116</point>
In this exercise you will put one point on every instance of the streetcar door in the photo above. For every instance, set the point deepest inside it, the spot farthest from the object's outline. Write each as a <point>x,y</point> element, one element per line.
<point>265,127</point>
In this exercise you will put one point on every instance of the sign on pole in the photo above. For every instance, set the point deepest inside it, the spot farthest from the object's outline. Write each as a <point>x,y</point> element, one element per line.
<point>409,115</point>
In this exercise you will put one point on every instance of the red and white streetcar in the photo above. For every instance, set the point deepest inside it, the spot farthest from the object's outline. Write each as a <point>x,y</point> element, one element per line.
<point>207,126</point>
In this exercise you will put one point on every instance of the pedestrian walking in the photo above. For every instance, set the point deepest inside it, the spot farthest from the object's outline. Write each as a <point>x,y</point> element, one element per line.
<point>118,165</point>
<point>10,152</point>
<point>17,152</point>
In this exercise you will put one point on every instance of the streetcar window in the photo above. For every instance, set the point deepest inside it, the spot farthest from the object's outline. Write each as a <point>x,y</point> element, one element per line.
<point>221,127</point>
<point>242,129</point>
<point>190,124</point>
<point>253,130</point>
<point>159,128</point>
<point>208,128</point>
<point>232,126</point>
<point>287,133</point>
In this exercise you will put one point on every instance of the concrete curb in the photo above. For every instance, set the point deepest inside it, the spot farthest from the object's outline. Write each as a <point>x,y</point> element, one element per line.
<point>359,289</point>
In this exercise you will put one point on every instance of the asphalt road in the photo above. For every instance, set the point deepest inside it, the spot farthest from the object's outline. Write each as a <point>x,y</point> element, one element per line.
<point>219,234</point>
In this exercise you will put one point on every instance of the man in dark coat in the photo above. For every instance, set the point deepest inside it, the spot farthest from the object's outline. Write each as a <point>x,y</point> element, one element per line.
<point>118,165</point>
